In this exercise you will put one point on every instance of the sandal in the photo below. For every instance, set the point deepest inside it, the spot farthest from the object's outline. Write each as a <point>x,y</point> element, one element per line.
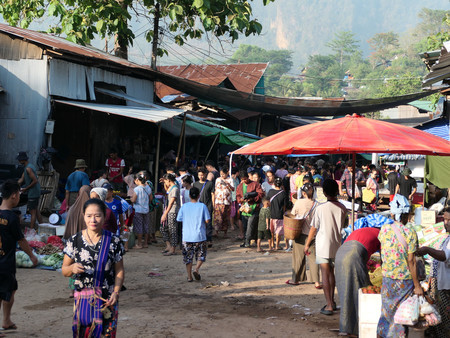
<point>190,280</point>
<point>169,254</point>
<point>326,312</point>
<point>11,327</point>
<point>137,247</point>
<point>197,275</point>
<point>289,282</point>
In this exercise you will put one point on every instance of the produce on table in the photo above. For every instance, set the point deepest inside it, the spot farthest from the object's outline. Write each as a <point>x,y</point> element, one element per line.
<point>48,249</point>
<point>55,260</point>
<point>23,260</point>
<point>56,241</point>
<point>371,289</point>
<point>36,244</point>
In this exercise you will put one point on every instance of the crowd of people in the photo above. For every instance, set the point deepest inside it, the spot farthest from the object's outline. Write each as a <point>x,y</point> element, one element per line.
<point>201,204</point>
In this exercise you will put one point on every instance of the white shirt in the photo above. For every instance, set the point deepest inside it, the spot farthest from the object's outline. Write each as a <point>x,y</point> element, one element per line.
<point>443,270</point>
<point>266,186</point>
<point>329,220</point>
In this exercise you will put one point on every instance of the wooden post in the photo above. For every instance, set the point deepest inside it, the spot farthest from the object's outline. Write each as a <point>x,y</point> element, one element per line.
<point>181,139</point>
<point>212,146</point>
<point>158,146</point>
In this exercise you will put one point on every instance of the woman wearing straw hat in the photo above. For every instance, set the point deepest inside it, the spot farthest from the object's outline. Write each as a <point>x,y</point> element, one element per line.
<point>75,181</point>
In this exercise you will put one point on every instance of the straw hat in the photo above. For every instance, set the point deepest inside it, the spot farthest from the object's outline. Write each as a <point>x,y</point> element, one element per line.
<point>80,163</point>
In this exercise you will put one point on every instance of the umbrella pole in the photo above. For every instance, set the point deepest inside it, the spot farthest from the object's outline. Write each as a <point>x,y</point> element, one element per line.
<point>353,190</point>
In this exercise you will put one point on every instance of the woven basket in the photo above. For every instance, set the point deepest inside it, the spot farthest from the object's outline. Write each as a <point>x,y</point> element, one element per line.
<point>376,277</point>
<point>292,226</point>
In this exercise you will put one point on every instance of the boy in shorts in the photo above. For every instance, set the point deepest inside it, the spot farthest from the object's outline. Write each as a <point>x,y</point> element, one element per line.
<point>264,225</point>
<point>195,216</point>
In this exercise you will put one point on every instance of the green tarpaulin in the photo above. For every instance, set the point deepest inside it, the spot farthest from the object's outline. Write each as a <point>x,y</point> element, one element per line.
<point>226,135</point>
<point>437,171</point>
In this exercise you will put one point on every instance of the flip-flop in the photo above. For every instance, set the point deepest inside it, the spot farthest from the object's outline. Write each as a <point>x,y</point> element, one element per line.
<point>165,251</point>
<point>319,287</point>
<point>288,282</point>
<point>169,254</point>
<point>11,327</point>
<point>190,280</point>
<point>197,275</point>
<point>326,312</point>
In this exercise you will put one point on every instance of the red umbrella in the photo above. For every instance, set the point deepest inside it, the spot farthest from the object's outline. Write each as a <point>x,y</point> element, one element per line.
<point>349,135</point>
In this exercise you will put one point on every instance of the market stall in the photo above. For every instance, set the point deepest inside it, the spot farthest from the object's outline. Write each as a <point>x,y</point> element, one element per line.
<point>352,135</point>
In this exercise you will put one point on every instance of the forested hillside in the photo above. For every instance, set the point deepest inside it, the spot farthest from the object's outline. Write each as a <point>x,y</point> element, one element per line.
<point>305,26</point>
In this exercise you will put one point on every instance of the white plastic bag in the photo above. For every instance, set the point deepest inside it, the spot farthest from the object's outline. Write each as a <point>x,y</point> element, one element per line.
<point>408,312</point>
<point>425,308</point>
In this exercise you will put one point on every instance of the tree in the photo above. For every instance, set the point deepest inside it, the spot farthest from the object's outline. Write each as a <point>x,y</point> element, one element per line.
<point>436,41</point>
<point>280,62</point>
<point>82,20</point>
<point>344,45</point>
<point>432,21</point>
<point>385,46</point>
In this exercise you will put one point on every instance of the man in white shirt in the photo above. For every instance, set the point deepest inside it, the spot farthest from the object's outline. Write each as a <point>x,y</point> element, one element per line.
<point>326,226</point>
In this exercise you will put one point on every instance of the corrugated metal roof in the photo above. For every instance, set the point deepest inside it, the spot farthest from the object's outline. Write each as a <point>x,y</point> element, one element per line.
<point>244,77</point>
<point>438,127</point>
<point>56,44</point>
<point>440,71</point>
<point>141,113</point>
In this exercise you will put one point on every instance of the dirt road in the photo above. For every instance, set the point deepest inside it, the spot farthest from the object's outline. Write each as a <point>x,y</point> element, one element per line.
<point>242,294</point>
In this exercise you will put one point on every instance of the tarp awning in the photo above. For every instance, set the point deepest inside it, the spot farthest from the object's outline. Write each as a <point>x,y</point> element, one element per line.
<point>226,136</point>
<point>149,114</point>
<point>437,171</point>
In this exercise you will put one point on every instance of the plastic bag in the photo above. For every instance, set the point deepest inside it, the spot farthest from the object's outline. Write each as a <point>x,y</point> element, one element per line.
<point>425,308</point>
<point>433,318</point>
<point>408,312</point>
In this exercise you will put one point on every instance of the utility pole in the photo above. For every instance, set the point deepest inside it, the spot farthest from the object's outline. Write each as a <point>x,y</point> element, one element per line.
<point>155,35</point>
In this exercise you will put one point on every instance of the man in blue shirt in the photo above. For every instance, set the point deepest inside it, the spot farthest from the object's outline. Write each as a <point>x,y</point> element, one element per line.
<point>75,181</point>
<point>194,215</point>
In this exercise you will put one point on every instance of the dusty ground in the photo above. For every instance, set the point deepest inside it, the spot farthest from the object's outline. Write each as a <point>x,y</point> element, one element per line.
<point>256,303</point>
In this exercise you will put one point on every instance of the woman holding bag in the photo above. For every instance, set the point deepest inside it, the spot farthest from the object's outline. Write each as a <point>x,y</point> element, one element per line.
<point>304,207</point>
<point>95,259</point>
<point>398,246</point>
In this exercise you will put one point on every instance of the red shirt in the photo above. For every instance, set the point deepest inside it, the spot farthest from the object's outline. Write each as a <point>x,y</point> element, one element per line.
<point>114,168</point>
<point>367,237</point>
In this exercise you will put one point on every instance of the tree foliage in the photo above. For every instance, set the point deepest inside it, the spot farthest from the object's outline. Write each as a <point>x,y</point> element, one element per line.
<point>82,20</point>
<point>385,47</point>
<point>344,45</point>
<point>280,63</point>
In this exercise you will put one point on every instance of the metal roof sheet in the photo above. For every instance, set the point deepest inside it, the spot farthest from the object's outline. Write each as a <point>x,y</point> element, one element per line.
<point>244,76</point>
<point>154,114</point>
<point>60,45</point>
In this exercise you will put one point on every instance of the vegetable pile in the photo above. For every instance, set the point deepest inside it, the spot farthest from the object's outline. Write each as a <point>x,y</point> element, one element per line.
<point>55,241</point>
<point>48,249</point>
<point>22,260</point>
<point>55,260</point>
<point>36,244</point>
<point>371,289</point>
<point>372,265</point>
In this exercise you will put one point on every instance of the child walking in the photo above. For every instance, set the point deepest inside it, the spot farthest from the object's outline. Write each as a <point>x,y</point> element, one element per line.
<point>264,225</point>
<point>194,215</point>
<point>141,220</point>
